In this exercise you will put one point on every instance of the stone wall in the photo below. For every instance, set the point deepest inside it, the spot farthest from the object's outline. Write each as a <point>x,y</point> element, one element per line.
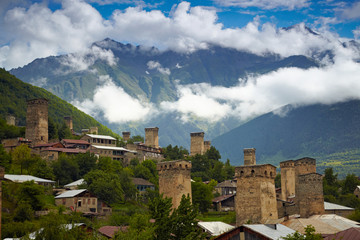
<point>309,194</point>
<point>287,179</point>
<point>126,136</point>
<point>152,137</point>
<point>69,122</point>
<point>249,156</point>
<point>197,143</point>
<point>255,199</point>
<point>174,180</point>
<point>37,121</point>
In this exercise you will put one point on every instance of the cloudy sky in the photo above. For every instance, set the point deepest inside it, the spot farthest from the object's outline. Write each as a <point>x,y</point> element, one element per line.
<point>34,29</point>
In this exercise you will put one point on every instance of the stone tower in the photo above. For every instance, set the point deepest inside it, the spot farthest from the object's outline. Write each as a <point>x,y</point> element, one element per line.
<point>37,121</point>
<point>69,122</point>
<point>291,170</point>
<point>126,136</point>
<point>152,137</point>
<point>174,180</point>
<point>249,156</point>
<point>197,143</point>
<point>207,145</point>
<point>287,179</point>
<point>309,195</point>
<point>94,130</point>
<point>255,198</point>
<point>10,120</point>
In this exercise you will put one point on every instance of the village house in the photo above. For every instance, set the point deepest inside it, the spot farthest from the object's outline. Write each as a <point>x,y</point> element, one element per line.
<point>226,187</point>
<point>27,178</point>
<point>82,201</point>
<point>142,184</point>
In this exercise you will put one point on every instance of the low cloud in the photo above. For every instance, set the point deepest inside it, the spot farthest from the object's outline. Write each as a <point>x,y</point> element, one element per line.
<point>112,103</point>
<point>40,82</point>
<point>83,60</point>
<point>258,95</point>
<point>157,66</point>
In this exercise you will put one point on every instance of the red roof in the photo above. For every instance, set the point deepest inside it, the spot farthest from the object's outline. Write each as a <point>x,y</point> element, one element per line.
<point>348,234</point>
<point>109,231</point>
<point>47,144</point>
<point>75,141</point>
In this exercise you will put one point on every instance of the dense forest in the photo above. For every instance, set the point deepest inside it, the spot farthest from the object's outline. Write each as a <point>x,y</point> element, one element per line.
<point>13,96</point>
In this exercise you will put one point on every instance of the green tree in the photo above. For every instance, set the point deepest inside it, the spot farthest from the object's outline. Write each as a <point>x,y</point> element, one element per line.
<point>65,169</point>
<point>5,159</point>
<point>52,129</point>
<point>174,153</point>
<point>350,183</point>
<point>202,195</point>
<point>229,170</point>
<point>21,156</point>
<point>105,185</point>
<point>185,223</point>
<point>213,154</point>
<point>41,169</point>
<point>140,228</point>
<point>86,162</point>
<point>309,235</point>
<point>31,193</point>
<point>64,132</point>
<point>278,180</point>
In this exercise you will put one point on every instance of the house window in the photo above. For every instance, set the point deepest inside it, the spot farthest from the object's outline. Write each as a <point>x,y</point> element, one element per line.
<point>93,201</point>
<point>79,203</point>
<point>64,201</point>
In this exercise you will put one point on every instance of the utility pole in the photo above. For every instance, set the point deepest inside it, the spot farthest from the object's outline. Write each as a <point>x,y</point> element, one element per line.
<point>2,172</point>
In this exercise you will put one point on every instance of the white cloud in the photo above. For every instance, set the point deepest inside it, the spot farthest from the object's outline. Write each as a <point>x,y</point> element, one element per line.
<point>356,32</point>
<point>114,104</point>
<point>37,31</point>
<point>266,4</point>
<point>83,60</point>
<point>262,94</point>
<point>40,82</point>
<point>158,67</point>
<point>351,12</point>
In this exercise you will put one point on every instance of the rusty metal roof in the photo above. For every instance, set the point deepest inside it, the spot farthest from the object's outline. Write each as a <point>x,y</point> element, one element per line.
<point>222,198</point>
<point>348,234</point>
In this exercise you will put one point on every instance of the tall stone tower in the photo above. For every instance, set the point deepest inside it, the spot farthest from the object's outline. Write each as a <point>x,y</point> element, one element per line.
<point>291,170</point>
<point>152,137</point>
<point>126,136</point>
<point>37,121</point>
<point>10,120</point>
<point>309,195</point>
<point>249,156</point>
<point>69,122</point>
<point>287,179</point>
<point>174,180</point>
<point>255,198</point>
<point>197,143</point>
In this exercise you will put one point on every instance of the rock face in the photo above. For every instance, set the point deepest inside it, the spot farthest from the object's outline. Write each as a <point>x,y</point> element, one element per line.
<point>174,180</point>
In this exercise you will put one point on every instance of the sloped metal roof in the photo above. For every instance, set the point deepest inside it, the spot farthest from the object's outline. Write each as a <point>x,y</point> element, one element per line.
<point>76,183</point>
<point>272,231</point>
<point>25,178</point>
<point>215,228</point>
<point>70,193</point>
<point>110,148</point>
<point>333,206</point>
<point>101,136</point>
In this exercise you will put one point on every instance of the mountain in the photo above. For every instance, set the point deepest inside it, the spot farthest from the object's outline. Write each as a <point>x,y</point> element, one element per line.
<point>153,76</point>
<point>13,96</point>
<point>328,133</point>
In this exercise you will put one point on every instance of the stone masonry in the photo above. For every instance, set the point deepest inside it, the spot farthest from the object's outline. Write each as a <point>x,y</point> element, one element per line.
<point>197,143</point>
<point>69,122</point>
<point>37,121</point>
<point>174,180</point>
<point>126,136</point>
<point>255,198</point>
<point>152,137</point>
<point>249,156</point>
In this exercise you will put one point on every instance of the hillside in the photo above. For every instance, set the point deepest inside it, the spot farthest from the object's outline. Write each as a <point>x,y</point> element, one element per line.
<point>13,96</point>
<point>329,133</point>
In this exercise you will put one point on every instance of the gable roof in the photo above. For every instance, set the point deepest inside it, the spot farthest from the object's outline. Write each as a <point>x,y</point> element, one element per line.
<point>271,231</point>
<point>227,183</point>
<point>110,148</point>
<point>215,228</point>
<point>222,198</point>
<point>75,141</point>
<point>141,181</point>
<point>333,206</point>
<point>76,183</point>
<point>25,178</point>
<point>70,193</point>
<point>348,234</point>
<point>100,136</point>
<point>109,231</point>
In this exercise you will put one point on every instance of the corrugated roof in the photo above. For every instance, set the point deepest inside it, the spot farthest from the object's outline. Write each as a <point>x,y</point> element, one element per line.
<point>109,231</point>
<point>110,148</point>
<point>324,224</point>
<point>215,228</point>
<point>222,198</point>
<point>65,150</point>
<point>141,181</point>
<point>227,183</point>
<point>333,206</point>
<point>101,136</point>
<point>25,178</point>
<point>75,141</point>
<point>348,234</point>
<point>76,183</point>
<point>272,231</point>
<point>71,193</point>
